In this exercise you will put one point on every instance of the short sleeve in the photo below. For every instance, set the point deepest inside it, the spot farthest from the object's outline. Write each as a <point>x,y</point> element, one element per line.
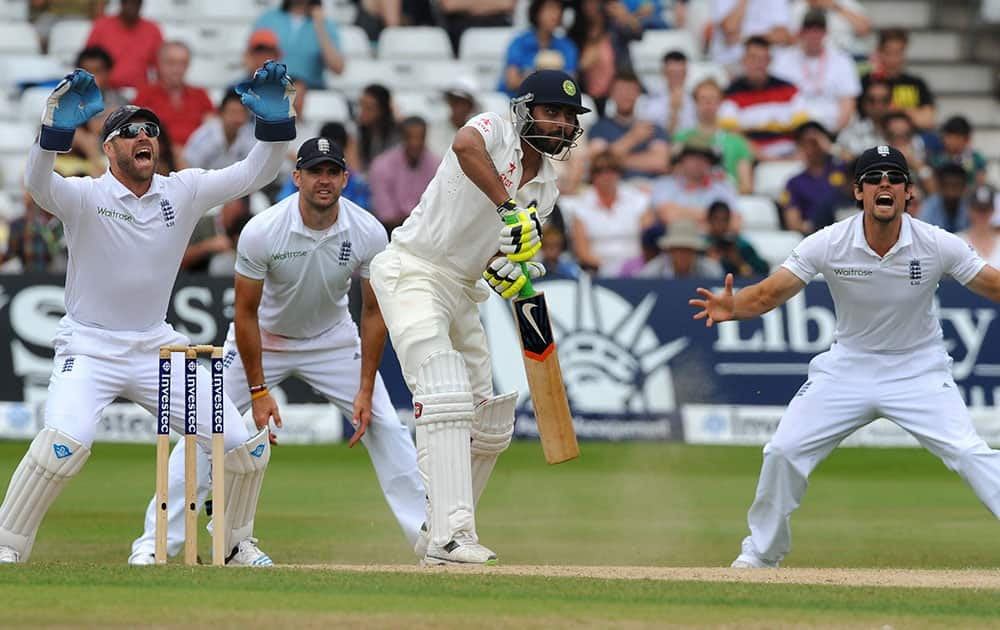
<point>958,258</point>
<point>251,252</point>
<point>806,260</point>
<point>377,241</point>
<point>490,127</point>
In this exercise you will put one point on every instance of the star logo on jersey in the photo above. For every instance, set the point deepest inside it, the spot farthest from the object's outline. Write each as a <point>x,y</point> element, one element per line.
<point>167,212</point>
<point>344,256</point>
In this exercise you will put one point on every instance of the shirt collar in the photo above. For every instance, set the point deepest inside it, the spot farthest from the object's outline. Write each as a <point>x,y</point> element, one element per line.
<point>342,224</point>
<point>119,190</point>
<point>905,236</point>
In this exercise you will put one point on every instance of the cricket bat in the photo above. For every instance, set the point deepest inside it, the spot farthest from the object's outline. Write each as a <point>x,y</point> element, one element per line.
<point>541,366</point>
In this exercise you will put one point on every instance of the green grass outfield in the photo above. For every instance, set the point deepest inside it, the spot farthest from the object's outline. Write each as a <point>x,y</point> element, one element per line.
<point>645,505</point>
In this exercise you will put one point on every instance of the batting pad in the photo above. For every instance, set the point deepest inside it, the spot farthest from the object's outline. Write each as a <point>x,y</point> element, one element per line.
<point>492,429</point>
<point>52,458</point>
<point>442,409</point>
<point>245,467</point>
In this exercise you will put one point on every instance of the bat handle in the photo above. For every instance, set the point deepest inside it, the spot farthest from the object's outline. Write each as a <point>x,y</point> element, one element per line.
<point>527,290</point>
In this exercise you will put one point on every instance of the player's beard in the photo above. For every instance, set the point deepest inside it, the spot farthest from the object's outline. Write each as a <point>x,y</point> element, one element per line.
<point>130,170</point>
<point>552,143</point>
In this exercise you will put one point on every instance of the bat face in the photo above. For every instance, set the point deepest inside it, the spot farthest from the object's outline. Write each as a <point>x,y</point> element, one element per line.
<point>534,326</point>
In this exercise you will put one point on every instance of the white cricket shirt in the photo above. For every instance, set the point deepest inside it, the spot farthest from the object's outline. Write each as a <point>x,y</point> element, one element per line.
<point>885,304</point>
<point>124,251</point>
<point>306,275</point>
<point>455,226</point>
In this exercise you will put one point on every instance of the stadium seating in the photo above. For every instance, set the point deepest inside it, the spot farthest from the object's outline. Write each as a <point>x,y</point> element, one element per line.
<point>209,39</point>
<point>326,105</point>
<point>483,50</point>
<point>774,246</point>
<point>13,10</point>
<point>769,178</point>
<point>361,72</point>
<point>18,38</point>
<point>647,53</point>
<point>408,43</point>
<point>354,42</point>
<point>16,137</point>
<point>215,72</point>
<point>67,39</point>
<point>33,104</point>
<point>427,104</point>
<point>758,212</point>
<point>433,75</point>
<point>19,70</point>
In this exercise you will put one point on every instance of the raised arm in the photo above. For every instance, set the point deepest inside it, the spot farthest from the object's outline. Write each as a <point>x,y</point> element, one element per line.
<point>749,302</point>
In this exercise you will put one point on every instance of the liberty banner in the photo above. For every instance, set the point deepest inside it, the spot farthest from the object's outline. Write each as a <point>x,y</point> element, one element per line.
<point>635,365</point>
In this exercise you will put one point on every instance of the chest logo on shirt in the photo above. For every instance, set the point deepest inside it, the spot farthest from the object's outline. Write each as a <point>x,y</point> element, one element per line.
<point>284,255</point>
<point>916,273</point>
<point>852,272</point>
<point>167,212</point>
<point>344,256</point>
<point>505,176</point>
<point>119,215</point>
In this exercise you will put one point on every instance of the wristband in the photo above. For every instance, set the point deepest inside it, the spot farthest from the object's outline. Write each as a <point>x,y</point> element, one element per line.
<point>507,207</point>
<point>257,388</point>
<point>260,393</point>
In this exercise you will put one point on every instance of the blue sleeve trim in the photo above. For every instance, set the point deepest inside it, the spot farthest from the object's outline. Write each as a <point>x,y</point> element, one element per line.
<point>56,139</point>
<point>274,130</point>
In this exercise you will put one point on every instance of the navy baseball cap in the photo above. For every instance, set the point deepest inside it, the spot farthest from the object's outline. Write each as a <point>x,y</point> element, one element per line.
<point>318,150</point>
<point>880,157</point>
<point>123,115</point>
<point>551,87</point>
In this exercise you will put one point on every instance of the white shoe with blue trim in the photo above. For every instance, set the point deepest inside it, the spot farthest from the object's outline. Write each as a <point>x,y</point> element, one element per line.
<point>248,554</point>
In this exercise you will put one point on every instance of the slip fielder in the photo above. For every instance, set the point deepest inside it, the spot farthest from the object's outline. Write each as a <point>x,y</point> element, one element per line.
<point>127,231</point>
<point>293,273</point>
<point>427,286</point>
<point>888,357</point>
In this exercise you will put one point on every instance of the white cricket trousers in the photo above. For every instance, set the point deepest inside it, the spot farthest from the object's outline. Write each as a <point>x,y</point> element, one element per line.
<point>93,367</point>
<point>847,389</point>
<point>427,311</point>
<point>331,365</point>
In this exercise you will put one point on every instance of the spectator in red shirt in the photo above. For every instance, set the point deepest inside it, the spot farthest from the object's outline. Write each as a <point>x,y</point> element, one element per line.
<point>181,107</point>
<point>132,43</point>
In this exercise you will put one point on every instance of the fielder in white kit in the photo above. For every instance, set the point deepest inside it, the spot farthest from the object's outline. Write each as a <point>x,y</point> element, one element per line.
<point>427,284</point>
<point>126,232</point>
<point>888,358</point>
<point>293,273</point>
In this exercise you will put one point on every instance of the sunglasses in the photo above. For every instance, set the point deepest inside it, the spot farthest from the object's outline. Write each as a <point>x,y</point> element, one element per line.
<point>874,178</point>
<point>131,130</point>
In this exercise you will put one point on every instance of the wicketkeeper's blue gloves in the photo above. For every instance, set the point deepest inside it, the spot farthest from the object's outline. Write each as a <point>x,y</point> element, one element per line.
<point>269,95</point>
<point>75,100</point>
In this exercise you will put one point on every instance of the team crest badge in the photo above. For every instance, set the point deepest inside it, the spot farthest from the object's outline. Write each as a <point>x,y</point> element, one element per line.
<point>883,150</point>
<point>323,145</point>
<point>569,88</point>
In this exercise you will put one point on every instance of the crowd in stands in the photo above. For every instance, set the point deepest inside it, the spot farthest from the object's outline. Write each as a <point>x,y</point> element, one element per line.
<point>660,181</point>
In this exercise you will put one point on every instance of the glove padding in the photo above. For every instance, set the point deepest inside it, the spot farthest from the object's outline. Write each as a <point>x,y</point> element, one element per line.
<point>507,278</point>
<point>75,100</point>
<point>269,95</point>
<point>521,239</point>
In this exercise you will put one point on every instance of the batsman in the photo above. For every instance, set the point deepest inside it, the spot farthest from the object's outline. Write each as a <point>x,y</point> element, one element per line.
<point>127,231</point>
<point>427,285</point>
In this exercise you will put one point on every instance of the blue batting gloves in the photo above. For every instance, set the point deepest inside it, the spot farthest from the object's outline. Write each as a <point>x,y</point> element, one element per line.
<point>269,95</point>
<point>75,100</point>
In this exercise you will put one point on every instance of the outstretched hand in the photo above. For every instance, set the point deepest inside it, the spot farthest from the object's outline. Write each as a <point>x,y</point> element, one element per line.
<point>269,93</point>
<point>75,100</point>
<point>716,307</point>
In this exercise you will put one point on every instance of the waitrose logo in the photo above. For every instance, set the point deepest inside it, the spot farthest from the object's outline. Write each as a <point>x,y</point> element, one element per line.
<point>285,255</point>
<point>115,214</point>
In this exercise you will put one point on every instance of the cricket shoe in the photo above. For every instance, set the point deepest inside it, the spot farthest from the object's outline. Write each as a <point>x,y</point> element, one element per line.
<point>462,549</point>
<point>248,554</point>
<point>748,559</point>
<point>141,559</point>
<point>8,555</point>
<point>423,539</point>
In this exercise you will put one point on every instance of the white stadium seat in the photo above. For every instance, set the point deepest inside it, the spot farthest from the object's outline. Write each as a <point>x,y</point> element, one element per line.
<point>240,11</point>
<point>489,43</point>
<point>12,170</point>
<point>758,212</point>
<point>212,39</point>
<point>769,178</point>
<point>774,246</point>
<point>325,106</point>
<point>14,10</point>
<point>354,43</point>
<point>435,75</point>
<point>701,70</point>
<point>360,72</point>
<point>18,38</point>
<point>67,39</point>
<point>20,69</point>
<point>497,102</point>
<point>405,43</point>
<point>427,104</point>
<point>17,137</point>
<point>647,53</point>
<point>214,72</point>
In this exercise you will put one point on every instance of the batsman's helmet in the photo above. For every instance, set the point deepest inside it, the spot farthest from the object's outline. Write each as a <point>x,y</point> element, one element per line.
<point>547,87</point>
